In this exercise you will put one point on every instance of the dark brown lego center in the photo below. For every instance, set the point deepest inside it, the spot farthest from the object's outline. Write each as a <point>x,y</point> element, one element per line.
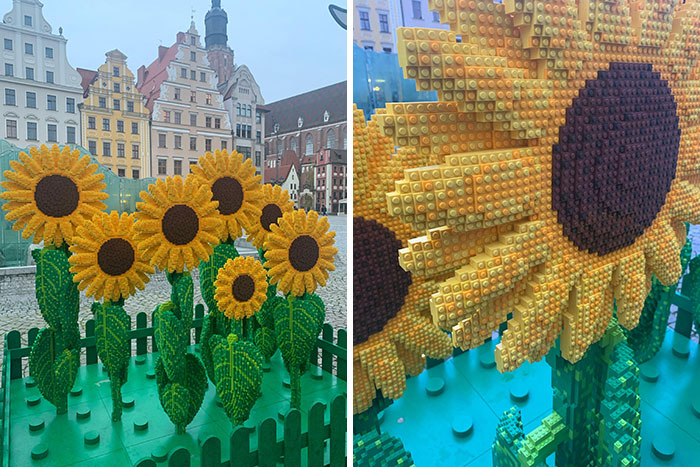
<point>56,196</point>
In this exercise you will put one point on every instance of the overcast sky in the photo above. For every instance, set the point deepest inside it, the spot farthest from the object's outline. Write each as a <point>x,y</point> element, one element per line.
<point>291,46</point>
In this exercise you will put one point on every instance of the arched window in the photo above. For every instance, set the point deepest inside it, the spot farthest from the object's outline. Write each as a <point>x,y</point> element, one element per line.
<point>330,139</point>
<point>293,144</point>
<point>345,138</point>
<point>309,144</point>
<point>279,147</point>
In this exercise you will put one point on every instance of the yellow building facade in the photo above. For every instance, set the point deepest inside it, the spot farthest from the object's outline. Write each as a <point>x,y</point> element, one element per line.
<point>114,118</point>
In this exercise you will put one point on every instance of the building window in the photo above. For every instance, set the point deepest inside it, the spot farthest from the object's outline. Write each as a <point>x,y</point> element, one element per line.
<point>183,72</point>
<point>258,117</point>
<point>52,133</point>
<point>249,132</point>
<point>92,147</point>
<point>9,69</point>
<point>49,76</point>
<point>70,105</point>
<point>238,130</point>
<point>250,110</point>
<point>436,17</point>
<point>105,124</point>
<point>369,46</point>
<point>106,148</point>
<point>177,94</point>
<point>135,151</point>
<point>192,164</point>
<point>177,167</point>
<point>193,40</point>
<point>258,137</point>
<point>102,102</point>
<point>117,104</point>
<point>330,139</point>
<point>31,100</point>
<point>121,152</point>
<point>238,108</point>
<point>29,73</point>
<point>383,22</point>
<point>386,50</point>
<point>193,143</point>
<point>279,147</point>
<point>417,10</point>
<point>115,71</point>
<point>309,144</point>
<point>91,123</point>
<point>129,106</point>
<point>8,44</point>
<point>162,166</point>
<point>257,158</point>
<point>202,77</point>
<point>134,128</point>
<point>121,172</point>
<point>193,96</point>
<point>117,87</point>
<point>345,139</point>
<point>293,144</point>
<point>207,144</point>
<point>50,102</point>
<point>70,134</point>
<point>178,117</point>
<point>193,119</point>
<point>161,140</point>
<point>193,75</point>
<point>224,145</point>
<point>49,52</point>
<point>364,20</point>
<point>166,116</point>
<point>208,99</point>
<point>120,126</point>
<point>11,129</point>
<point>217,123</point>
<point>178,142</point>
<point>193,56</point>
<point>27,20</point>
<point>28,48</point>
<point>135,174</point>
<point>207,122</point>
<point>31,131</point>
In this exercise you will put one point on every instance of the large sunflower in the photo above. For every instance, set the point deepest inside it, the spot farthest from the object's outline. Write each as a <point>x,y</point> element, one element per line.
<point>50,192</point>
<point>241,287</point>
<point>105,257</point>
<point>299,252</point>
<point>566,161</point>
<point>235,186</point>
<point>275,203</point>
<point>176,224</point>
<point>392,330</point>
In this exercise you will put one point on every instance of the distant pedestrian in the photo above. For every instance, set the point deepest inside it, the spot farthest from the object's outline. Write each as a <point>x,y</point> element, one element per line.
<point>323,210</point>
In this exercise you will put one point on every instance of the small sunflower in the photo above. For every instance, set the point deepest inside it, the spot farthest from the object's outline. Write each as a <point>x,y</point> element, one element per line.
<point>235,186</point>
<point>299,252</point>
<point>275,204</point>
<point>50,192</point>
<point>105,258</point>
<point>241,287</point>
<point>177,224</point>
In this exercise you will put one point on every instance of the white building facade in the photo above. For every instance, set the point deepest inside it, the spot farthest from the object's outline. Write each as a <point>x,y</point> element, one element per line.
<point>40,89</point>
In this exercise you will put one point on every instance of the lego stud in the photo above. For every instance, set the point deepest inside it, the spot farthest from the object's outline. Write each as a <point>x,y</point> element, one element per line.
<point>462,425</point>
<point>30,383</point>
<point>266,367</point>
<point>435,386</point>
<point>519,392</point>
<point>663,447</point>
<point>681,347</point>
<point>649,372</point>
<point>40,451</point>
<point>33,400</point>
<point>140,360</point>
<point>140,424</point>
<point>695,406</point>
<point>92,437</point>
<point>487,359</point>
<point>36,424</point>
<point>159,454</point>
<point>316,372</point>
<point>76,391</point>
<point>83,414</point>
<point>128,402</point>
<point>150,374</point>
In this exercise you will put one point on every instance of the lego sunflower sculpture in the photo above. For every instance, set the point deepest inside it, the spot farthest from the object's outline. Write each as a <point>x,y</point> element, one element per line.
<point>49,193</point>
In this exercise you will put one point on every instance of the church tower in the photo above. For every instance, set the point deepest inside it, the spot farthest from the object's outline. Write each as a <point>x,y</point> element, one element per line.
<point>220,55</point>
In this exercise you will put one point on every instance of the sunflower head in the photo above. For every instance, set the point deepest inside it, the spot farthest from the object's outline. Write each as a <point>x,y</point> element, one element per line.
<point>275,204</point>
<point>176,224</point>
<point>241,287</point>
<point>106,259</point>
<point>299,252</point>
<point>233,183</point>
<point>50,192</point>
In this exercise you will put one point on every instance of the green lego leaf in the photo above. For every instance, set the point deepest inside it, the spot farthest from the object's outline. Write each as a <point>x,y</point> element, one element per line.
<point>264,315</point>
<point>41,359</point>
<point>175,400</point>
<point>183,298</point>
<point>52,281</point>
<point>171,337</point>
<point>196,384</point>
<point>238,372</point>
<point>111,331</point>
<point>210,269</point>
<point>66,369</point>
<point>208,330</point>
<point>298,321</point>
<point>265,341</point>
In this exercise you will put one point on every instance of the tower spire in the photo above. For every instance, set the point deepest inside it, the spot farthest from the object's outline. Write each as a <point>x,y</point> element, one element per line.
<point>215,23</point>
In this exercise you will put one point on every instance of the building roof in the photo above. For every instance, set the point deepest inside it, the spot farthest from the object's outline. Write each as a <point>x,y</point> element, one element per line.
<point>336,156</point>
<point>289,160</point>
<point>311,107</point>
<point>150,78</point>
<point>87,77</point>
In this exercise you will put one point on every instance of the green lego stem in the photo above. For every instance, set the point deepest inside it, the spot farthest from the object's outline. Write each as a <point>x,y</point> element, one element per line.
<point>115,330</point>
<point>295,384</point>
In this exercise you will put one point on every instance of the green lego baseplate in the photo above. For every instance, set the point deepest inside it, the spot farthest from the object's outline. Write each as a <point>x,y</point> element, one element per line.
<point>86,435</point>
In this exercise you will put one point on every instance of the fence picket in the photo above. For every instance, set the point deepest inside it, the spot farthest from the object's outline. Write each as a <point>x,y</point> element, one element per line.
<point>317,434</point>
<point>14,341</point>
<point>154,346</point>
<point>341,360</point>
<point>211,452</point>
<point>180,458</point>
<point>198,314</point>
<point>141,342</point>
<point>31,336</point>
<point>327,357</point>
<point>240,448</point>
<point>292,439</point>
<point>338,428</point>
<point>267,443</point>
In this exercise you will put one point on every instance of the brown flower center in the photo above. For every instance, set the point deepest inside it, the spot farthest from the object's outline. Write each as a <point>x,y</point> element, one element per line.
<point>116,256</point>
<point>56,196</point>
<point>303,253</point>
<point>243,288</point>
<point>229,193</point>
<point>180,224</point>
<point>270,214</point>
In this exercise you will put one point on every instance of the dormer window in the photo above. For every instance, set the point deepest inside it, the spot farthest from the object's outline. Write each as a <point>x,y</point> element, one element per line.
<point>276,127</point>
<point>27,20</point>
<point>300,122</point>
<point>193,40</point>
<point>326,116</point>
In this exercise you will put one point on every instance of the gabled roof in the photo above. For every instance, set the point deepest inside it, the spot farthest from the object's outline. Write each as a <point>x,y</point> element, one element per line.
<point>310,106</point>
<point>289,159</point>
<point>87,77</point>
<point>151,77</point>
